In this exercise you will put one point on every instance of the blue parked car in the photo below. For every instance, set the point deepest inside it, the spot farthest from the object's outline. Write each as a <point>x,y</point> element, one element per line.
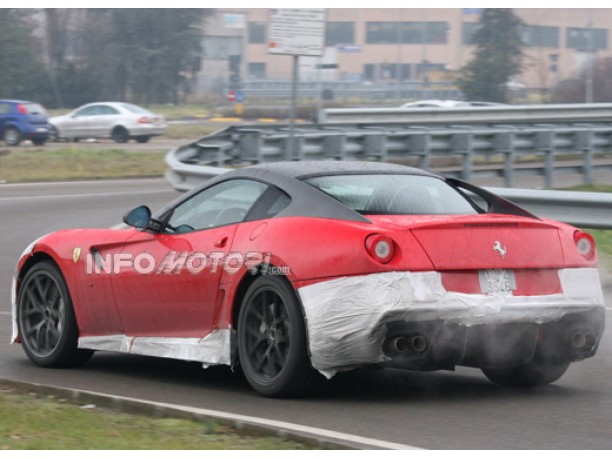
<point>23,120</point>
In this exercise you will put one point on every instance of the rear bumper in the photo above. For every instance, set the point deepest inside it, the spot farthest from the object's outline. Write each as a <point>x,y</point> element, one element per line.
<point>351,320</point>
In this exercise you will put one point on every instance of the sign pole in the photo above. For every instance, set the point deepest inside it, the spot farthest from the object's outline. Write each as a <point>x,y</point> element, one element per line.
<point>297,32</point>
<point>294,81</point>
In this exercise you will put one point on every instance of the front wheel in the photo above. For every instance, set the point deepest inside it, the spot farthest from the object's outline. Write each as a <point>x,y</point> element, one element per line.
<point>39,142</point>
<point>272,340</point>
<point>45,319</point>
<point>535,373</point>
<point>12,136</point>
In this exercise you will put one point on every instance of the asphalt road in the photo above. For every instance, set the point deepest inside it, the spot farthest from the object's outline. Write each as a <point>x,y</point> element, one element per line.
<point>446,410</point>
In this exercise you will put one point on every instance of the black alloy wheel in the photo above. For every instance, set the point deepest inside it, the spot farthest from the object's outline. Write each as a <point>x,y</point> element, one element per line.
<point>46,324</point>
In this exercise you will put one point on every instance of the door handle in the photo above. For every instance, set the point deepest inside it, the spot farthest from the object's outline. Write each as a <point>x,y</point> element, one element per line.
<point>221,242</point>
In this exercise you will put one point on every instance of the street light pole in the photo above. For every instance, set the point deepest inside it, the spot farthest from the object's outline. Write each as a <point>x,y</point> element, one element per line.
<point>591,62</point>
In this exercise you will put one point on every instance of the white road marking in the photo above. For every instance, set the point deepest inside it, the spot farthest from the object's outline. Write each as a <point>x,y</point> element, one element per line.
<point>84,195</point>
<point>78,182</point>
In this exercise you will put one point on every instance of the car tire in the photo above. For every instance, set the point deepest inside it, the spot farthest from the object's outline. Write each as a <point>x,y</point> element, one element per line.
<point>535,373</point>
<point>39,142</point>
<point>46,323</point>
<point>12,136</point>
<point>142,138</point>
<point>54,136</point>
<point>120,134</point>
<point>272,340</point>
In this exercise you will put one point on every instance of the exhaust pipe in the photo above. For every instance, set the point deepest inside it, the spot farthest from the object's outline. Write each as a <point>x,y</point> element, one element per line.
<point>419,343</point>
<point>403,344</point>
<point>400,344</point>
<point>582,340</point>
<point>578,340</point>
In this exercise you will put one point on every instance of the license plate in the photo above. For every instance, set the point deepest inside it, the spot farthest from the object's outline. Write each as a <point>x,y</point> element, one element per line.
<point>497,281</point>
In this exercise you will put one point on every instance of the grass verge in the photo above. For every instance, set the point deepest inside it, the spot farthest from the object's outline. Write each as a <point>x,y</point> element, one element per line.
<point>36,422</point>
<point>71,163</point>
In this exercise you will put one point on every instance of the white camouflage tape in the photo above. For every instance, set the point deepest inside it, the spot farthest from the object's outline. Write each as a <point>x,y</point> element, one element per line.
<point>213,349</point>
<point>344,316</point>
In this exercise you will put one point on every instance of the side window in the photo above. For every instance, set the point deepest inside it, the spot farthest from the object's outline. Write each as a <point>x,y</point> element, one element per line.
<point>5,108</point>
<point>107,110</point>
<point>222,204</point>
<point>87,111</point>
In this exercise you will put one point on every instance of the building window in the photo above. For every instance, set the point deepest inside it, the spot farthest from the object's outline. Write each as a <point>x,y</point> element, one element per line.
<point>257,32</point>
<point>579,38</point>
<point>540,36</point>
<point>468,29</point>
<point>339,33</point>
<point>257,70</point>
<point>424,68</point>
<point>220,47</point>
<point>369,72</point>
<point>410,32</point>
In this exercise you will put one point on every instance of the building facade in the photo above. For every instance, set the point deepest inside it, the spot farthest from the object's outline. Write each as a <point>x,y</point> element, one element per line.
<point>402,44</point>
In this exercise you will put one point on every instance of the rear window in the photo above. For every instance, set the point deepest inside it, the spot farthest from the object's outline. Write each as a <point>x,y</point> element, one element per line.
<point>394,194</point>
<point>136,109</point>
<point>34,109</point>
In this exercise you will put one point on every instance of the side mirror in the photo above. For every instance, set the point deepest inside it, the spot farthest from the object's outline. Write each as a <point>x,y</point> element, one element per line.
<point>139,217</point>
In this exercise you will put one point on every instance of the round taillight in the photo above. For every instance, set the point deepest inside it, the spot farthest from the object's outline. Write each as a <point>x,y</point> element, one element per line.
<point>380,247</point>
<point>144,120</point>
<point>584,244</point>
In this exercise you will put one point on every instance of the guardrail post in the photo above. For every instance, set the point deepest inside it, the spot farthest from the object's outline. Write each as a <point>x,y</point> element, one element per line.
<point>582,142</point>
<point>333,146</point>
<point>375,145</point>
<point>462,144</point>
<point>420,144</point>
<point>545,142</point>
<point>504,144</point>
<point>249,146</point>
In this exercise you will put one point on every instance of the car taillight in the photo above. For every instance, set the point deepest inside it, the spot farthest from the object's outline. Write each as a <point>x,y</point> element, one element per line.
<point>22,109</point>
<point>585,244</point>
<point>144,120</point>
<point>380,247</point>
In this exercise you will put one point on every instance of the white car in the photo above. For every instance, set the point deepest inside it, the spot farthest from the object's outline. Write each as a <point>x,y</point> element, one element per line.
<point>432,104</point>
<point>118,120</point>
<point>449,104</point>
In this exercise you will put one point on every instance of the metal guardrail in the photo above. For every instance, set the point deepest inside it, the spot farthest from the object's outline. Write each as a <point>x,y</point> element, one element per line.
<point>567,113</point>
<point>505,151</point>
<point>583,209</point>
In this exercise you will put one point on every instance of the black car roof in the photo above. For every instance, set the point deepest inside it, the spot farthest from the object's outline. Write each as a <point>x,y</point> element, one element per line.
<point>306,200</point>
<point>303,169</point>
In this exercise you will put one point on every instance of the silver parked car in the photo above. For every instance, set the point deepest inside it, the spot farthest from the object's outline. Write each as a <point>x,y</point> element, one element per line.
<point>118,120</point>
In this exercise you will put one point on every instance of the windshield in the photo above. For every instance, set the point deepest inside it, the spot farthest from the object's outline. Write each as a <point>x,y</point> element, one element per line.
<point>394,194</point>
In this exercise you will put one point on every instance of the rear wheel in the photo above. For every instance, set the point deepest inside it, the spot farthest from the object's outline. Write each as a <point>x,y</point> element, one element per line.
<point>142,138</point>
<point>12,136</point>
<point>39,141</point>
<point>45,318</point>
<point>272,340</point>
<point>535,373</point>
<point>120,135</point>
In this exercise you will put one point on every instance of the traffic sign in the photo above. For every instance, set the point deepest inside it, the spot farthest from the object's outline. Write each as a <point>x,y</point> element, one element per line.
<point>231,96</point>
<point>239,96</point>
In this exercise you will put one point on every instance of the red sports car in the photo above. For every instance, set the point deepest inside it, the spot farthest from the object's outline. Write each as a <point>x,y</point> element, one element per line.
<point>293,270</point>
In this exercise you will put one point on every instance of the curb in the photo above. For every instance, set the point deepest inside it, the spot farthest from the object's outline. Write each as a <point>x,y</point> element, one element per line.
<point>314,437</point>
